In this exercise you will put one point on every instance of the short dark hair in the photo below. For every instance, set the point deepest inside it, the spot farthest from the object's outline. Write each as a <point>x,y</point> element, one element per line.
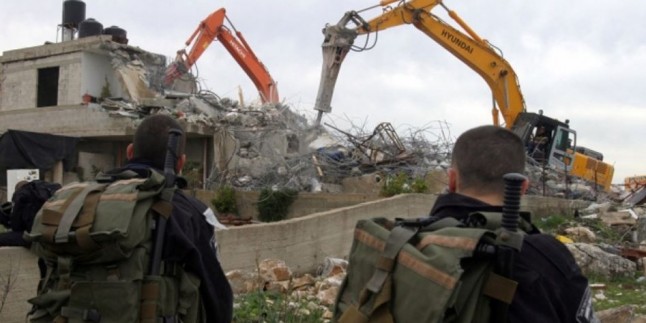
<point>482,155</point>
<point>151,139</point>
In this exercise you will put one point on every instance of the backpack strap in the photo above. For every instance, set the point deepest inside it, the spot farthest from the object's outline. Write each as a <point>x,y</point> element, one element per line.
<point>399,236</point>
<point>72,210</point>
<point>447,222</point>
<point>493,221</point>
<point>378,290</point>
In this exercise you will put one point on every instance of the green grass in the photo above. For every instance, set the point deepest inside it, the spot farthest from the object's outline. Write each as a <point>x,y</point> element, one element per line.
<point>551,224</point>
<point>269,307</point>
<point>620,291</point>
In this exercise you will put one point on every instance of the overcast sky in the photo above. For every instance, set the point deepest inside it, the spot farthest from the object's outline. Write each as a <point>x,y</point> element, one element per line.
<point>579,60</point>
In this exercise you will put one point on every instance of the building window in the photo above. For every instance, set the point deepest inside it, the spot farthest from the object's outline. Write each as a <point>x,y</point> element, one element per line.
<point>47,87</point>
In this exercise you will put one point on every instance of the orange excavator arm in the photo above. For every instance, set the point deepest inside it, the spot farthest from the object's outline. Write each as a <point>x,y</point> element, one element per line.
<point>213,28</point>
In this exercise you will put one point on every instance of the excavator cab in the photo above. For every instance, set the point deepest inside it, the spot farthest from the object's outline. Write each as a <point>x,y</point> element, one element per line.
<point>546,139</point>
<point>561,153</point>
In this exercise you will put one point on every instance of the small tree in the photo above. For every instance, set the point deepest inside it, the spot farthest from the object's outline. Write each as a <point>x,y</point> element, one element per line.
<point>274,205</point>
<point>225,201</point>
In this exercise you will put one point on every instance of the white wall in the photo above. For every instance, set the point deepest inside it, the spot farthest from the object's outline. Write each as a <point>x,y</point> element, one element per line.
<point>95,69</point>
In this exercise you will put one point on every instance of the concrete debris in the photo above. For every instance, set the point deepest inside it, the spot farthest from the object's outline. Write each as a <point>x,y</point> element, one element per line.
<point>636,197</point>
<point>242,282</point>
<point>581,234</point>
<point>593,260</point>
<point>618,218</point>
<point>274,275</point>
<point>271,145</point>
<point>273,270</point>
<point>332,267</point>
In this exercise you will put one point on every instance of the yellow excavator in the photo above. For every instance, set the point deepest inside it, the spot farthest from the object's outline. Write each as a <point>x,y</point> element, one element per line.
<point>557,144</point>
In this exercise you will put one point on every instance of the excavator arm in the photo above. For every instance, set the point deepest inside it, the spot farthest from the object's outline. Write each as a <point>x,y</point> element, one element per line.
<point>213,28</point>
<point>476,53</point>
<point>470,49</point>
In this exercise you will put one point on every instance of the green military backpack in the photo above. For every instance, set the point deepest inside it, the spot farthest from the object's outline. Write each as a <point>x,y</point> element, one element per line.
<point>96,239</point>
<point>432,270</point>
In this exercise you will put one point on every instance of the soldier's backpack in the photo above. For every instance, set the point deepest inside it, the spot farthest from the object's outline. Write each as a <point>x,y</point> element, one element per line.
<point>435,270</point>
<point>97,240</point>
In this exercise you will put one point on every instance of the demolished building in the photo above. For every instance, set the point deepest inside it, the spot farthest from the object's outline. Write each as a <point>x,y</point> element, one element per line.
<point>50,89</point>
<point>97,90</point>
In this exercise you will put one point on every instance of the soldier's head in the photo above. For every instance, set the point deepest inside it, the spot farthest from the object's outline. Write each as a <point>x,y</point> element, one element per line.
<point>151,140</point>
<point>480,158</point>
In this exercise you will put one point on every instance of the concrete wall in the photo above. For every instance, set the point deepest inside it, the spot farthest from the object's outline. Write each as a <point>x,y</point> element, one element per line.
<point>306,203</point>
<point>20,267</point>
<point>310,203</point>
<point>304,242</point>
<point>20,83</point>
<point>74,120</point>
<point>95,70</point>
<point>80,121</point>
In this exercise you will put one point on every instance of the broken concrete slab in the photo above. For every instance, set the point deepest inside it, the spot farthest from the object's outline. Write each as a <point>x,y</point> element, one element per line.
<point>618,218</point>
<point>636,198</point>
<point>593,260</point>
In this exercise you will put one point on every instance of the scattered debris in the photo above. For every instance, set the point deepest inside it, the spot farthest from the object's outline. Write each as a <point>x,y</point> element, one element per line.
<point>270,145</point>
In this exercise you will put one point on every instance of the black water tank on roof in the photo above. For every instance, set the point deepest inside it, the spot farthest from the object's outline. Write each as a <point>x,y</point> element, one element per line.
<point>119,35</point>
<point>73,13</point>
<point>90,27</point>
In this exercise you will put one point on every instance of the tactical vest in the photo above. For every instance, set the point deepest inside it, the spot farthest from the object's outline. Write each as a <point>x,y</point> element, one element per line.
<point>96,239</point>
<point>443,272</point>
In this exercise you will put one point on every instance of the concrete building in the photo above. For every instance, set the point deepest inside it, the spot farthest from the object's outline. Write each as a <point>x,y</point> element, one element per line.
<point>52,89</point>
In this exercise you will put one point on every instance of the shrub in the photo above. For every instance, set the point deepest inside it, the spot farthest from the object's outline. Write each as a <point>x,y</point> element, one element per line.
<point>274,205</point>
<point>402,183</point>
<point>225,201</point>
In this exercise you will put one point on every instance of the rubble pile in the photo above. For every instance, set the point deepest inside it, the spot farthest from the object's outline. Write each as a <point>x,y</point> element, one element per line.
<point>547,181</point>
<point>273,275</point>
<point>270,145</point>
